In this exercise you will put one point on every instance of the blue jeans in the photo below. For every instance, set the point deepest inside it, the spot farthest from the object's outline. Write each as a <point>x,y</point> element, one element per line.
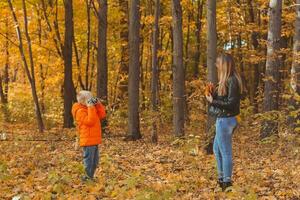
<point>90,159</point>
<point>223,147</point>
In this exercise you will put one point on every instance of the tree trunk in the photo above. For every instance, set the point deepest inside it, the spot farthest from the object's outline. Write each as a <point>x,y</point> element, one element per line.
<point>178,70</point>
<point>33,82</point>
<point>56,39</point>
<point>142,74</point>
<point>211,41</point>
<point>122,79</point>
<point>241,63</point>
<point>134,71</point>
<point>102,73</point>
<point>255,44</point>
<point>2,95</point>
<point>69,90</point>
<point>187,42</point>
<point>198,38</point>
<point>5,78</point>
<point>155,75</point>
<point>41,72</point>
<point>186,63</point>
<point>88,8</point>
<point>270,126</point>
<point>294,116</point>
<point>211,60</point>
<point>30,73</point>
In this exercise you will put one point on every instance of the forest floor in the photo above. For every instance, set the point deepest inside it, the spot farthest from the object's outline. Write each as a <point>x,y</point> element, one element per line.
<point>31,168</point>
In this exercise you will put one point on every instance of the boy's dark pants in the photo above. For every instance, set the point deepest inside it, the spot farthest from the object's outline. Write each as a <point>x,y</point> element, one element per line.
<point>90,159</point>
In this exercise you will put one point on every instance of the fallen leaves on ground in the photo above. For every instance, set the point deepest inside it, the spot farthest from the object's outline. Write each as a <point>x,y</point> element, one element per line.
<point>48,166</point>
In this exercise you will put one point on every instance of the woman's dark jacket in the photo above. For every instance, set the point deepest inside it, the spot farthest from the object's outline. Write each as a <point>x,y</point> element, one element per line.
<point>228,105</point>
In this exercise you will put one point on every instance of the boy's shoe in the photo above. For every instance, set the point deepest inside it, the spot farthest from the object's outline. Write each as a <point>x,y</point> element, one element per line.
<point>86,178</point>
<point>226,186</point>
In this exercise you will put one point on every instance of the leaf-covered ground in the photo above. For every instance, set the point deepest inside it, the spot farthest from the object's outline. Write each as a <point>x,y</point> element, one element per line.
<point>48,166</point>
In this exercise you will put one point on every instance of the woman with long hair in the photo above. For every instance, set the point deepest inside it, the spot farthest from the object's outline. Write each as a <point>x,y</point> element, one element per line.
<point>224,104</point>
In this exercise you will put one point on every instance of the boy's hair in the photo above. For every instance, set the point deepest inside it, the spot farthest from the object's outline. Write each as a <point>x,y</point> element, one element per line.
<point>83,96</point>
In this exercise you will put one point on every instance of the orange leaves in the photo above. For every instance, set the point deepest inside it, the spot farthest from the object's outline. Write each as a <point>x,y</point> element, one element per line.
<point>140,170</point>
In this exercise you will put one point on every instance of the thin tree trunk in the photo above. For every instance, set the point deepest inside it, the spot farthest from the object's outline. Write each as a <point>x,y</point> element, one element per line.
<point>155,75</point>
<point>271,95</point>
<point>186,63</point>
<point>187,43</point>
<point>211,60</point>
<point>88,8</point>
<point>134,71</point>
<point>2,95</point>
<point>255,44</point>
<point>294,117</point>
<point>15,75</point>
<point>69,90</point>
<point>122,79</point>
<point>198,38</point>
<point>93,64</point>
<point>241,63</point>
<point>77,59</point>
<point>30,73</point>
<point>178,70</point>
<point>142,74</point>
<point>42,77</point>
<point>57,43</point>
<point>5,81</point>
<point>102,72</point>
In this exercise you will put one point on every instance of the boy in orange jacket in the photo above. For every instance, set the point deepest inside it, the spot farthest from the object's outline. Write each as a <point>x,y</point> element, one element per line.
<point>88,113</point>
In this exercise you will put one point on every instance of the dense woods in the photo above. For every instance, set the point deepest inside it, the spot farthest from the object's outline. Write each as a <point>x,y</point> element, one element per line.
<point>99,52</point>
<point>149,61</point>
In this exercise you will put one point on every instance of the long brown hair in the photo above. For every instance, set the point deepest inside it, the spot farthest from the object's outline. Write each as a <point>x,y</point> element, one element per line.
<point>226,68</point>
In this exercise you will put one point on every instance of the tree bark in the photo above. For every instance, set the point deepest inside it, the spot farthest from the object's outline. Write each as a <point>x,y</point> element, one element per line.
<point>155,69</point>
<point>186,63</point>
<point>2,95</point>
<point>294,116</point>
<point>88,8</point>
<point>41,72</point>
<point>187,42</point>
<point>5,78</point>
<point>211,41</point>
<point>69,90</point>
<point>256,75</point>
<point>178,70</point>
<point>271,92</point>
<point>122,79</point>
<point>211,60</point>
<point>198,38</point>
<point>102,73</point>
<point>134,71</point>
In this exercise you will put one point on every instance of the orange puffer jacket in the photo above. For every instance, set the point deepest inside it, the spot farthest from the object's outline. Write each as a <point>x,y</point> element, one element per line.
<point>88,123</point>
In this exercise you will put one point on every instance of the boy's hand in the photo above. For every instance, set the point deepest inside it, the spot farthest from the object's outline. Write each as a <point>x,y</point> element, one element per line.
<point>92,101</point>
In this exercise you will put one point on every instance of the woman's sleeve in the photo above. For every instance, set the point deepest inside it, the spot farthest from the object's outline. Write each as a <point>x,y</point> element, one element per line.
<point>232,97</point>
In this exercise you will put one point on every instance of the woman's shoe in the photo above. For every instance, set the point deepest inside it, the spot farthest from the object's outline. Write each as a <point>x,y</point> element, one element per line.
<point>220,183</point>
<point>226,186</point>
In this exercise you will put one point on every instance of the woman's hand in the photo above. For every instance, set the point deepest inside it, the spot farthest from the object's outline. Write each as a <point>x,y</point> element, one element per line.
<point>209,98</point>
